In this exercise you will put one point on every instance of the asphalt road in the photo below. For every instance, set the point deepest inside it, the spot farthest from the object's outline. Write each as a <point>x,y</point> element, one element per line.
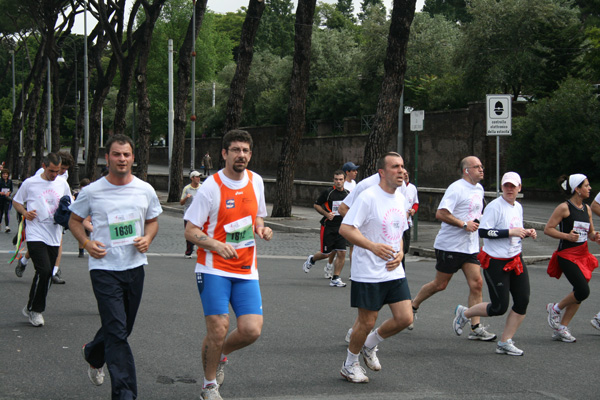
<point>302,347</point>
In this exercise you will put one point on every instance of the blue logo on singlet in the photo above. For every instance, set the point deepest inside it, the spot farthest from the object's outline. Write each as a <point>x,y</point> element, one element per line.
<point>230,203</point>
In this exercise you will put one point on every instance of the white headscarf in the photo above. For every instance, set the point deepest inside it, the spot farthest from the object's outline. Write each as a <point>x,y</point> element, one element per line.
<point>574,181</point>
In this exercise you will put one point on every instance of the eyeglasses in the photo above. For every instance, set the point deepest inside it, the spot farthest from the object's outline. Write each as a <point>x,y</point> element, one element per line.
<point>237,150</point>
<point>477,166</point>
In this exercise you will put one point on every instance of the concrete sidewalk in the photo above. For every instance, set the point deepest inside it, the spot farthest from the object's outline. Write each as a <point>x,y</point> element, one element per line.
<point>306,220</point>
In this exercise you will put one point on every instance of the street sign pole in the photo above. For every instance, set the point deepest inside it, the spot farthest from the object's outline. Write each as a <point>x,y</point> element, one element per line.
<point>499,123</point>
<point>416,124</point>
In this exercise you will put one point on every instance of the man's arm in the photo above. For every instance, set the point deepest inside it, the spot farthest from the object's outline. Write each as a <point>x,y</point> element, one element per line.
<point>142,243</point>
<point>28,215</point>
<point>446,216</point>
<point>197,236</point>
<point>323,212</point>
<point>95,248</point>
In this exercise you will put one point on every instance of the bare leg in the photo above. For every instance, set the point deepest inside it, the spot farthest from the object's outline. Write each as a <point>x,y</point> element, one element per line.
<point>439,283</point>
<point>249,328</point>
<point>361,329</point>
<point>319,256</point>
<point>473,274</point>
<point>513,321</point>
<point>212,346</point>
<point>478,310</point>
<point>339,262</point>
<point>402,317</point>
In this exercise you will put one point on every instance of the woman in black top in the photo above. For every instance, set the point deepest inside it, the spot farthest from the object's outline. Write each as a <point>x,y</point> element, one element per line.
<point>575,227</point>
<point>6,188</point>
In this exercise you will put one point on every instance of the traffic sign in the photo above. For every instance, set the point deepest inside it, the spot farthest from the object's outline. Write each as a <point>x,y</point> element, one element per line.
<point>416,120</point>
<point>499,114</point>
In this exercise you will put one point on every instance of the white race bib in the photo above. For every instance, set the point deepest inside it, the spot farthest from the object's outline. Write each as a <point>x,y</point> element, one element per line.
<point>124,226</point>
<point>240,233</point>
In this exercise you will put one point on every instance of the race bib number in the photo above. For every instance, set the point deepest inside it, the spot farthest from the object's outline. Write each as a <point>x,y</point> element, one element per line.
<point>123,228</point>
<point>335,206</point>
<point>582,229</point>
<point>240,233</point>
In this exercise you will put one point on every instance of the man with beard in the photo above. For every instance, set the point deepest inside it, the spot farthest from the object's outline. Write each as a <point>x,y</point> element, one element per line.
<point>226,214</point>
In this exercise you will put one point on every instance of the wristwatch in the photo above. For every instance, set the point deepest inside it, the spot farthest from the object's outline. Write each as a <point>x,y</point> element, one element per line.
<point>464,225</point>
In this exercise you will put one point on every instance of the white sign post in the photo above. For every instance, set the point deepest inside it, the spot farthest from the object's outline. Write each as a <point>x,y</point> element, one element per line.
<point>416,125</point>
<point>499,123</point>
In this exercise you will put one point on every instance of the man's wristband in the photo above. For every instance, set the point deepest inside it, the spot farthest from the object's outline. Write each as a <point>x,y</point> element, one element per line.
<point>84,243</point>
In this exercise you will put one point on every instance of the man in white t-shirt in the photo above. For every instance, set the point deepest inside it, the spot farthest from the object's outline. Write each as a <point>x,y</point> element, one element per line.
<point>351,170</point>
<point>187,196</point>
<point>124,210</point>
<point>457,243</point>
<point>42,194</point>
<point>375,224</point>
<point>224,220</point>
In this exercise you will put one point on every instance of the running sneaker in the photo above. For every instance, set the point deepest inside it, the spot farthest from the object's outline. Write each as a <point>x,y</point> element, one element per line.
<point>347,339</point>
<point>460,320</point>
<point>308,264</point>
<point>328,271</point>
<point>553,316</point>
<point>188,256</point>
<point>480,333</point>
<point>562,334</point>
<point>595,323</point>
<point>355,373</point>
<point>35,318</point>
<point>337,282</point>
<point>7,230</point>
<point>20,268</point>
<point>221,371</point>
<point>96,375</point>
<point>370,357</point>
<point>211,392</point>
<point>509,348</point>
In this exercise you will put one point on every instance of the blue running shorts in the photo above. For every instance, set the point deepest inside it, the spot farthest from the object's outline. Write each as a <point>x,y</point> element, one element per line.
<point>217,292</point>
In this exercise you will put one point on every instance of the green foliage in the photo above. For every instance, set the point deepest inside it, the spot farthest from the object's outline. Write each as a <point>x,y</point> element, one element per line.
<point>452,10</point>
<point>276,31</point>
<point>559,135</point>
<point>519,46</point>
<point>592,57</point>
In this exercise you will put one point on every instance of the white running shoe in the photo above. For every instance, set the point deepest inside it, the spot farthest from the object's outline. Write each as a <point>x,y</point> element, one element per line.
<point>354,373</point>
<point>460,320</point>
<point>509,348</point>
<point>595,323</point>
<point>35,318</point>
<point>563,335</point>
<point>211,392</point>
<point>307,264</point>
<point>553,316</point>
<point>370,357</point>
<point>328,269</point>
<point>480,333</point>
<point>412,325</point>
<point>347,339</point>
<point>337,282</point>
<point>221,371</point>
<point>96,375</point>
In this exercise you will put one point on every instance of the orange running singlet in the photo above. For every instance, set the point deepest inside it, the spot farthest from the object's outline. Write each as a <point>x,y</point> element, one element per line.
<point>235,226</point>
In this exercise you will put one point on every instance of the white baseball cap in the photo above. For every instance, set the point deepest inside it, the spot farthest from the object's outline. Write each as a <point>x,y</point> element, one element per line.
<point>511,177</point>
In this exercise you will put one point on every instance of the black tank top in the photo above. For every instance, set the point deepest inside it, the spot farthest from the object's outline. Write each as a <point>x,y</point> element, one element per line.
<point>578,219</point>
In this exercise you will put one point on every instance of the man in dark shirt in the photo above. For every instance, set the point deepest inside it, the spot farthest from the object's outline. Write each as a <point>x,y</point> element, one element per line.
<point>331,241</point>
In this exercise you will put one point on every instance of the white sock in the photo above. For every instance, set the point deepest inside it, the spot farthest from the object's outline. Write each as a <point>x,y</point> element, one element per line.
<point>598,316</point>
<point>223,357</point>
<point>351,358</point>
<point>206,383</point>
<point>555,307</point>
<point>24,260</point>
<point>55,270</point>
<point>373,340</point>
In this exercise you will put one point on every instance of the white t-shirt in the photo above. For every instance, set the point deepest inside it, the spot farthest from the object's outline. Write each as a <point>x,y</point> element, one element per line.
<point>349,186</point>
<point>597,198</point>
<point>119,213</point>
<point>189,189</point>
<point>65,176</point>
<point>411,198</point>
<point>205,207</point>
<point>500,214</point>
<point>43,196</point>
<point>465,202</point>
<point>367,183</point>
<point>377,216</point>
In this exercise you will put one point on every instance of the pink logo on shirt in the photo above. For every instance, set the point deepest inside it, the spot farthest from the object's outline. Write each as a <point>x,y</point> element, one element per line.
<point>393,225</point>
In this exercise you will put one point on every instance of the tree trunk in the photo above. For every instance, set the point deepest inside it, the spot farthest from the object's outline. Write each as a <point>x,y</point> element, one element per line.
<point>145,126</point>
<point>296,121</point>
<point>181,100</point>
<point>233,113</point>
<point>391,87</point>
